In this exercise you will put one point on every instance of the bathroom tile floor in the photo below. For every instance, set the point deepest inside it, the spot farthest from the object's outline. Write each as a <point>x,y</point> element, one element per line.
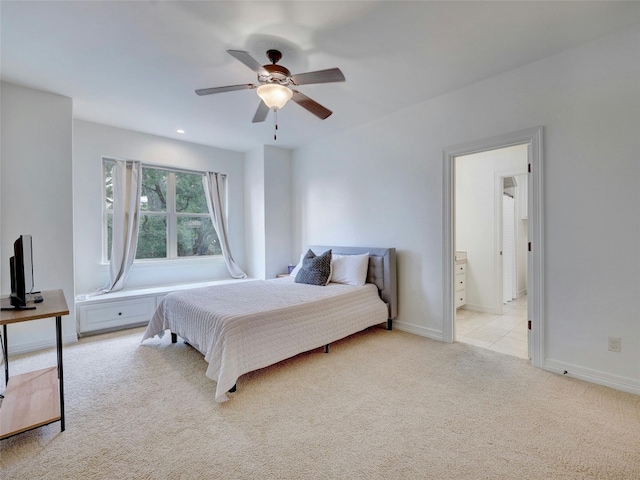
<point>506,333</point>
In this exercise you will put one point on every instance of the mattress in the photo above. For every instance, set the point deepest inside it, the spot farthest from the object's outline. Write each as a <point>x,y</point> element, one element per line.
<point>241,327</point>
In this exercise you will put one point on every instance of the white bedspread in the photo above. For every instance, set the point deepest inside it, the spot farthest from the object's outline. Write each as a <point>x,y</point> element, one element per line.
<point>245,326</point>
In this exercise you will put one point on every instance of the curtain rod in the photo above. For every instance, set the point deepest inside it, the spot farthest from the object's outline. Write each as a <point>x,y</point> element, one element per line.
<point>164,167</point>
<point>178,169</point>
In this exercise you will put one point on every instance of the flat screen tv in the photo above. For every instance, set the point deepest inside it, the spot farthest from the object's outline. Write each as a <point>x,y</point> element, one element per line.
<point>21,266</point>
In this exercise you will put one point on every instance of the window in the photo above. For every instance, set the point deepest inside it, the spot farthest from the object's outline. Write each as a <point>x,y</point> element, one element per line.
<point>174,218</point>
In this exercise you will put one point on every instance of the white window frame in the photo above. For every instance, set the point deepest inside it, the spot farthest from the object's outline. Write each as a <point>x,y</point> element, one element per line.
<point>171,215</point>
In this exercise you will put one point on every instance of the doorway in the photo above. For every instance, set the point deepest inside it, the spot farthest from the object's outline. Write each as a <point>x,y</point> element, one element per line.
<point>490,211</point>
<point>532,139</point>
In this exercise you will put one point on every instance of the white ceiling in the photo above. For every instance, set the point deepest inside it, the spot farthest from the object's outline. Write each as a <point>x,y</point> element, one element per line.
<point>136,64</point>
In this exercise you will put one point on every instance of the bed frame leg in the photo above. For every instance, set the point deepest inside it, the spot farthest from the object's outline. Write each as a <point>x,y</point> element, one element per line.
<point>389,324</point>
<point>234,388</point>
<point>174,338</point>
<point>326,348</point>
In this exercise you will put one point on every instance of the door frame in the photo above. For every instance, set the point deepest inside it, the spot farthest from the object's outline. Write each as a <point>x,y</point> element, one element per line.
<point>533,137</point>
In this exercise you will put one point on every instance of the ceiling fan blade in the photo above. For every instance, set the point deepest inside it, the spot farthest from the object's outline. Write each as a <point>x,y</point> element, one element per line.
<point>311,105</point>
<point>230,88</point>
<point>320,76</point>
<point>249,61</point>
<point>261,113</point>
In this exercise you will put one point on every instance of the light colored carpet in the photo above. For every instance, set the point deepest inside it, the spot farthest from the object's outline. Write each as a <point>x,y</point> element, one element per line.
<point>380,405</point>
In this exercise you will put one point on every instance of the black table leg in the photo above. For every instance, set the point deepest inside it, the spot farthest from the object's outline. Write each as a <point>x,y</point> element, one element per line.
<point>60,378</point>
<point>6,354</point>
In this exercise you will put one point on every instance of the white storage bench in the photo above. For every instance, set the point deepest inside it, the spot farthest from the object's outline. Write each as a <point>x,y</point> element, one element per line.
<point>126,308</point>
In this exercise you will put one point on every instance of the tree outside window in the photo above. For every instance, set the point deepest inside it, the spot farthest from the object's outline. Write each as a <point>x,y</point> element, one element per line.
<point>196,235</point>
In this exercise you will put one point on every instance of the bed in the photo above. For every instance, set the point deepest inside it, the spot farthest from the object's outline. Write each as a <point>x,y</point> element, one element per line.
<point>244,326</point>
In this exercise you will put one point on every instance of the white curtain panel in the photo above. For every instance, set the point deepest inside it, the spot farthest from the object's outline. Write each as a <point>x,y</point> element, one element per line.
<point>127,186</point>
<point>214,187</point>
<point>509,279</point>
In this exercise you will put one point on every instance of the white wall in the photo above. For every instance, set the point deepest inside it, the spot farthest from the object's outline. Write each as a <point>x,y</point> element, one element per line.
<point>476,222</point>
<point>255,216</point>
<point>381,184</point>
<point>36,129</point>
<point>278,238</point>
<point>91,142</point>
<point>268,217</point>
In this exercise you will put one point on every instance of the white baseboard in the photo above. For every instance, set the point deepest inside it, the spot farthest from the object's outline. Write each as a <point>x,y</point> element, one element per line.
<point>593,376</point>
<point>419,330</point>
<point>27,347</point>
<point>480,308</point>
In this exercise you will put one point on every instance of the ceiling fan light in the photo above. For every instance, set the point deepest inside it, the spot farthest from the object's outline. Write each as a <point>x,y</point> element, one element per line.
<point>275,96</point>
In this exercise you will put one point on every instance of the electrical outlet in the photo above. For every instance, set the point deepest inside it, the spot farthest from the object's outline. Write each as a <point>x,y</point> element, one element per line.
<point>614,344</point>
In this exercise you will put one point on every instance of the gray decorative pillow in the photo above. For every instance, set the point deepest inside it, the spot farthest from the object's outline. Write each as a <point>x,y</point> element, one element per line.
<point>316,270</point>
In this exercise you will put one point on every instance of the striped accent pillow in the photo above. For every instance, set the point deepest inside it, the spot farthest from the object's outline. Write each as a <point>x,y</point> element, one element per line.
<point>316,270</point>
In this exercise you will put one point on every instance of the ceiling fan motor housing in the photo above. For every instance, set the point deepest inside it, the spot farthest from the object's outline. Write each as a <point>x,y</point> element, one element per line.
<point>277,74</point>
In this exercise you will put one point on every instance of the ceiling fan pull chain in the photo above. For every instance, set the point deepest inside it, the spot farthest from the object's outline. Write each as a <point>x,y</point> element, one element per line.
<point>275,124</point>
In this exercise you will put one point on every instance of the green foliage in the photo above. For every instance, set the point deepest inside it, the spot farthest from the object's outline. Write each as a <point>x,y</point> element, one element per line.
<point>190,196</point>
<point>152,237</point>
<point>108,183</point>
<point>196,236</point>
<point>109,234</point>
<point>154,190</point>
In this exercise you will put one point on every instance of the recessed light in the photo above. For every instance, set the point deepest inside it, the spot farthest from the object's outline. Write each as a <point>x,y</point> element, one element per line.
<point>180,131</point>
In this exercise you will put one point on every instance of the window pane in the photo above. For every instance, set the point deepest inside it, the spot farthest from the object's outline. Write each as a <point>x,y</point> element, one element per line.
<point>190,193</point>
<point>152,237</point>
<point>196,236</point>
<point>154,190</point>
<point>108,184</point>
<point>109,234</point>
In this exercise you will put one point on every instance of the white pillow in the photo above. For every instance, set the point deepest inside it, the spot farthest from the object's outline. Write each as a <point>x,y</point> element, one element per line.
<point>297,268</point>
<point>350,269</point>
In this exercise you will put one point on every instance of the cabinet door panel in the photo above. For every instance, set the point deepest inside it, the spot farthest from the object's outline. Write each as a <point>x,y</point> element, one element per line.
<point>100,316</point>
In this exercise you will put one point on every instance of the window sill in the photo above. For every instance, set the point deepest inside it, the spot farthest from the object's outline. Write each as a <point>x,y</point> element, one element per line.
<point>174,262</point>
<point>150,291</point>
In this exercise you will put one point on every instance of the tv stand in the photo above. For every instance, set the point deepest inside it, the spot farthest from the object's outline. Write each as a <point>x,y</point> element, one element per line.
<point>33,399</point>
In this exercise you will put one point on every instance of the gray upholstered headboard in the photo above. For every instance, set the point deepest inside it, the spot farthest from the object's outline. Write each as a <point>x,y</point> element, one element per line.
<point>382,271</point>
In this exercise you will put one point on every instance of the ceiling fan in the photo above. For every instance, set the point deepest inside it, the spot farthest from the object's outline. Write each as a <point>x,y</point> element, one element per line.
<point>274,85</point>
